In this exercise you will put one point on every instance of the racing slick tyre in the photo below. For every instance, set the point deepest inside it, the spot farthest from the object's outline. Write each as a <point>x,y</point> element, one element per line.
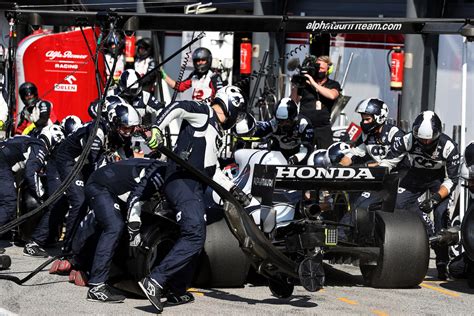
<point>157,241</point>
<point>467,232</point>
<point>404,251</point>
<point>223,263</point>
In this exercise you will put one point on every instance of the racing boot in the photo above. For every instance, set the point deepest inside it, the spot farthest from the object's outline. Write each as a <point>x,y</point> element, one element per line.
<point>174,299</point>
<point>153,292</point>
<point>2,250</point>
<point>104,293</point>
<point>32,249</point>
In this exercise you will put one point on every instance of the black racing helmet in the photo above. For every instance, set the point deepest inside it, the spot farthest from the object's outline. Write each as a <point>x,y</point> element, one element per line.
<point>202,53</point>
<point>147,48</point>
<point>375,107</point>
<point>28,93</point>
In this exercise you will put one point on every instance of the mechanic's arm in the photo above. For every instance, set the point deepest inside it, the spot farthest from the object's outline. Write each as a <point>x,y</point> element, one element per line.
<point>452,170</point>
<point>331,94</point>
<point>398,151</point>
<point>306,147</point>
<point>359,151</point>
<point>97,148</point>
<point>193,112</point>
<point>216,83</point>
<point>33,166</point>
<point>44,113</point>
<point>151,182</point>
<point>264,128</point>
<point>152,104</point>
<point>182,86</point>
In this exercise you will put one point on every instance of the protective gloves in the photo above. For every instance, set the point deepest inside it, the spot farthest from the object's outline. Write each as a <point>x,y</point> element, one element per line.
<point>428,205</point>
<point>293,160</point>
<point>242,197</point>
<point>134,237</point>
<point>155,139</point>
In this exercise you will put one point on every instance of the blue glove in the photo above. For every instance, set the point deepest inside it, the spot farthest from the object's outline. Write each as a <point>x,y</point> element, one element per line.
<point>155,139</point>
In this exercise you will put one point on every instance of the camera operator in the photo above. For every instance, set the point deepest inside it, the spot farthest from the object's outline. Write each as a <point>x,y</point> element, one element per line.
<point>317,96</point>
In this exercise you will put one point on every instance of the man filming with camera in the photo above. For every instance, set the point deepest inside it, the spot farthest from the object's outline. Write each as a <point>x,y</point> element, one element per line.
<point>316,94</point>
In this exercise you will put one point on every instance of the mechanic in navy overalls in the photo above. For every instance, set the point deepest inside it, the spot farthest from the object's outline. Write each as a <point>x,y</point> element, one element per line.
<point>288,132</point>
<point>122,118</point>
<point>377,138</point>
<point>132,91</point>
<point>198,144</point>
<point>434,165</point>
<point>21,153</point>
<point>107,191</point>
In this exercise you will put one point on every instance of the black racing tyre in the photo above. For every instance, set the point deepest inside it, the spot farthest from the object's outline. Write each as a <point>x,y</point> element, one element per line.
<point>404,251</point>
<point>467,232</point>
<point>157,241</point>
<point>223,263</point>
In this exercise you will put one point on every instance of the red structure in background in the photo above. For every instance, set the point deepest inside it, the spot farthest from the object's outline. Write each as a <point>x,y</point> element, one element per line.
<point>61,66</point>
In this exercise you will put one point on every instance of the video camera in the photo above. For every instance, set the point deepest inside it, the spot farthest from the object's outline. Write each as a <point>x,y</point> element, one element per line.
<point>308,67</point>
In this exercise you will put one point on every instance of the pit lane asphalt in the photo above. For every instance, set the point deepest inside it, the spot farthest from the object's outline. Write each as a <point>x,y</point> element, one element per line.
<point>344,294</point>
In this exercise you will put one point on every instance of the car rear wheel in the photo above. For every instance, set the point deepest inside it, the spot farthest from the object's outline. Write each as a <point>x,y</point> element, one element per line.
<point>404,251</point>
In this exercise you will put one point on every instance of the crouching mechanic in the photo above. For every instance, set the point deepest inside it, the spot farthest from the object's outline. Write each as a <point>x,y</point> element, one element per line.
<point>289,133</point>
<point>377,139</point>
<point>106,191</point>
<point>198,142</point>
<point>434,162</point>
<point>21,153</point>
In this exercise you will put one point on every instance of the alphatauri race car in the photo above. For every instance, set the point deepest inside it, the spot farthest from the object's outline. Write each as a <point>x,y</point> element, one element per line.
<point>299,217</point>
<point>285,236</point>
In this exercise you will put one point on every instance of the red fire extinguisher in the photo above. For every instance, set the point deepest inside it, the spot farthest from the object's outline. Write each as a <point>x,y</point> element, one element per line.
<point>130,48</point>
<point>245,57</point>
<point>396,68</point>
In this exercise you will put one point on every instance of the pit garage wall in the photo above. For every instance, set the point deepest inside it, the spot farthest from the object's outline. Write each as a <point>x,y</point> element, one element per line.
<point>449,82</point>
<point>368,75</point>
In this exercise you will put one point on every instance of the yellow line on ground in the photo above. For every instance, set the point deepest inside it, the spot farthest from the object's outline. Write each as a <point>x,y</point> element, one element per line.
<point>196,292</point>
<point>348,301</point>
<point>441,290</point>
<point>379,313</point>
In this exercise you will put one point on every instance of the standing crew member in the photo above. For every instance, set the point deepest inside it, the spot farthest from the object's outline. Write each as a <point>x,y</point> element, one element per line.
<point>203,80</point>
<point>434,164</point>
<point>198,143</point>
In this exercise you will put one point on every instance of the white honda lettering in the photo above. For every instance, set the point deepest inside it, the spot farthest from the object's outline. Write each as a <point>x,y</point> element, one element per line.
<point>286,172</point>
<point>305,173</point>
<point>364,173</point>
<point>345,173</point>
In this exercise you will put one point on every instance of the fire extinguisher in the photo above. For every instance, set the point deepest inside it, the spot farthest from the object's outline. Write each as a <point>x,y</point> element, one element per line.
<point>245,57</point>
<point>396,65</point>
<point>130,47</point>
